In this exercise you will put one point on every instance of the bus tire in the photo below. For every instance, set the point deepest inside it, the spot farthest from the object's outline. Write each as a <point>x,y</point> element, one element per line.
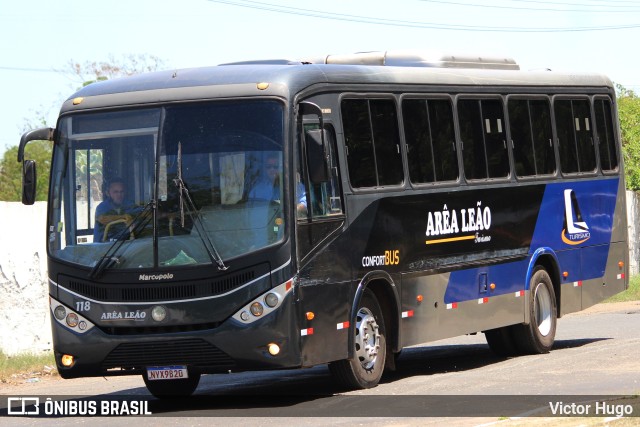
<point>538,336</point>
<point>370,348</point>
<point>501,341</point>
<point>172,388</point>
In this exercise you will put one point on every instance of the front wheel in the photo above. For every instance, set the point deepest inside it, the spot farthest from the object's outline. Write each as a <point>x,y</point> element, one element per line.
<point>365,369</point>
<point>172,388</point>
<point>538,336</point>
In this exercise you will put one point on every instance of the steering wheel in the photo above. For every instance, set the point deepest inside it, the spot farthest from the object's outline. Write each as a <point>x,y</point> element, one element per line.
<point>127,221</point>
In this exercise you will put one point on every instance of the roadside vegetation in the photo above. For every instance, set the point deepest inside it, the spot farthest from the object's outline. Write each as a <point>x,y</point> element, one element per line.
<point>26,367</point>
<point>631,294</point>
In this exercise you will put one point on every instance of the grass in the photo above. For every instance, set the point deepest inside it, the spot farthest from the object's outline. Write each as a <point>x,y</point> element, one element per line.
<point>22,367</point>
<point>631,294</point>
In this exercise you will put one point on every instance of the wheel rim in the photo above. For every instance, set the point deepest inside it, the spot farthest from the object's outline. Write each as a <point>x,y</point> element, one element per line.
<point>367,338</point>
<point>543,309</point>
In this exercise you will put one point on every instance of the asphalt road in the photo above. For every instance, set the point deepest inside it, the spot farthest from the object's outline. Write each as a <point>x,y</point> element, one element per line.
<point>595,355</point>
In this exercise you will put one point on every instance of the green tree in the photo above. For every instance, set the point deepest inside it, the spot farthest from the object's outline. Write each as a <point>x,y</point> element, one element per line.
<point>11,171</point>
<point>629,113</point>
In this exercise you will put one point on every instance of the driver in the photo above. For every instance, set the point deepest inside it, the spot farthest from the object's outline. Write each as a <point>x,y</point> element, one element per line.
<point>113,208</point>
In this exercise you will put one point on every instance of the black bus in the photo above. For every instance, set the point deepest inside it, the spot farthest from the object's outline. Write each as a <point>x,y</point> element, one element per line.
<point>282,214</point>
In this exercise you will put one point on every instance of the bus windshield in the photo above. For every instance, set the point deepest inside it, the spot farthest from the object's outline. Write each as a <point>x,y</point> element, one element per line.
<point>181,185</point>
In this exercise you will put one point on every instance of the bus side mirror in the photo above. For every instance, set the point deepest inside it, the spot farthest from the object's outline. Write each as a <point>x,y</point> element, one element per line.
<point>317,155</point>
<point>28,182</point>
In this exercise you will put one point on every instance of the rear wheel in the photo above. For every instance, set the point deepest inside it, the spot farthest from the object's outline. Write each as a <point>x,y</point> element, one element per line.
<point>370,348</point>
<point>538,336</point>
<point>172,388</point>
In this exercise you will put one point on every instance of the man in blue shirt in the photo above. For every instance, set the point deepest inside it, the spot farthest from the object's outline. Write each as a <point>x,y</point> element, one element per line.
<point>113,209</point>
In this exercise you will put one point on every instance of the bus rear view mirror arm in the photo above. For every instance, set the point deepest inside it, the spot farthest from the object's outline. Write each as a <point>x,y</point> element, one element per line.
<point>43,134</point>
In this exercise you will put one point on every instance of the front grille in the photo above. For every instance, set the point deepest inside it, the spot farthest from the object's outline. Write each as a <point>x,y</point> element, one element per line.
<point>194,352</point>
<point>164,291</point>
<point>89,290</point>
<point>150,330</point>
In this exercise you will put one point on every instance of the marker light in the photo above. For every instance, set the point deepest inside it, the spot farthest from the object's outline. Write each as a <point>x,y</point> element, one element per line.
<point>271,299</point>
<point>274,349</point>
<point>565,274</point>
<point>72,320</point>
<point>60,312</point>
<point>620,264</point>
<point>492,286</point>
<point>263,86</point>
<point>419,298</point>
<point>67,360</point>
<point>158,313</point>
<point>310,315</point>
<point>256,309</point>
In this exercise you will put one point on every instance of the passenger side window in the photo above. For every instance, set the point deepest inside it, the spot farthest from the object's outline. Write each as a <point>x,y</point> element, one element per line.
<point>606,136</point>
<point>484,142</point>
<point>575,140</point>
<point>531,137</point>
<point>431,147</point>
<point>372,141</point>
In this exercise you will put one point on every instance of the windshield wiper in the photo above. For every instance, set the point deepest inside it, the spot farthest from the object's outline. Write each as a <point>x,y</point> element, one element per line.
<point>194,214</point>
<point>139,222</point>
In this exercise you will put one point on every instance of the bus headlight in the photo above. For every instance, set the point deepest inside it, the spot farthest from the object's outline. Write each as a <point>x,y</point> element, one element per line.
<point>158,313</point>
<point>72,320</point>
<point>271,299</point>
<point>257,309</point>
<point>60,313</point>
<point>68,318</point>
<point>265,304</point>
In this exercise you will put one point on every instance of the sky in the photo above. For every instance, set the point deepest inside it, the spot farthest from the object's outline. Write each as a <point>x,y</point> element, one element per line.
<point>39,38</point>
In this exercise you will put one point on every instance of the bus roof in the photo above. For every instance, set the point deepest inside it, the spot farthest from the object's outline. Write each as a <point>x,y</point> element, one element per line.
<point>287,77</point>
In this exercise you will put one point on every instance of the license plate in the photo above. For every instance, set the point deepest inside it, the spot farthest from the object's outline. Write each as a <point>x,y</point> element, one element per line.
<point>167,373</point>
